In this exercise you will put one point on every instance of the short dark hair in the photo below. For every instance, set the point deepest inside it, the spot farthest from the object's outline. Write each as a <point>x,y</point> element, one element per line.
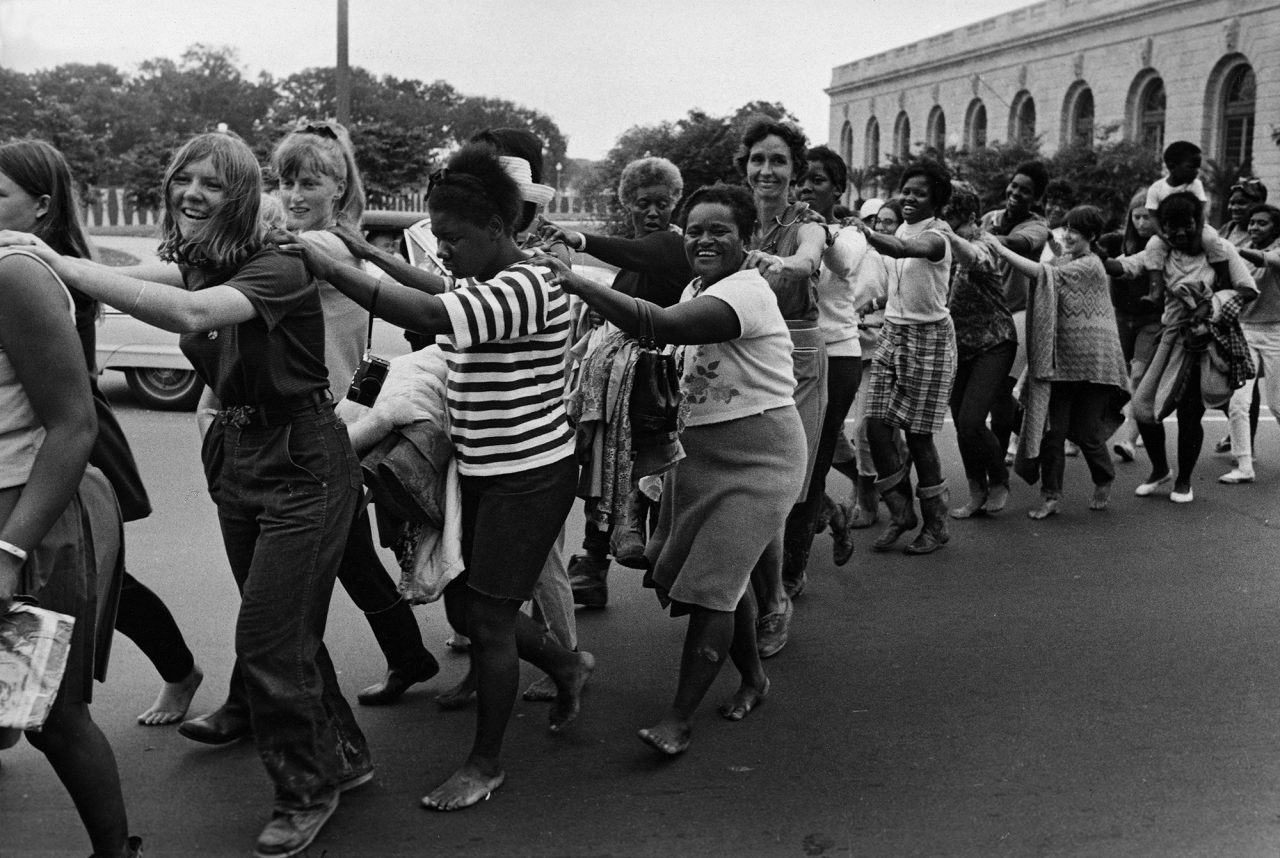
<point>1086,220</point>
<point>1036,172</point>
<point>736,197</point>
<point>836,169</point>
<point>790,134</point>
<point>1179,206</point>
<point>1267,208</point>
<point>1062,190</point>
<point>1179,151</point>
<point>936,175</point>
<point>965,202</point>
<point>476,188</point>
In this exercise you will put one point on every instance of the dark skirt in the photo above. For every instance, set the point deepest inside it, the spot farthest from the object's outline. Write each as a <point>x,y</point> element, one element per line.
<point>76,570</point>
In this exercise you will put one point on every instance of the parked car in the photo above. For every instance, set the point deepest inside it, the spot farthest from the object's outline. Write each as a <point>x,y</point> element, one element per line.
<point>161,377</point>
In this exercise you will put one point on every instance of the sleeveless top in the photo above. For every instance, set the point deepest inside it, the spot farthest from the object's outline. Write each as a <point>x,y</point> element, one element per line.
<point>21,433</point>
<point>797,296</point>
<point>918,288</point>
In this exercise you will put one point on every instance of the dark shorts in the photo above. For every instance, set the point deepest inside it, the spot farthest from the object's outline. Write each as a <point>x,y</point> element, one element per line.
<point>509,523</point>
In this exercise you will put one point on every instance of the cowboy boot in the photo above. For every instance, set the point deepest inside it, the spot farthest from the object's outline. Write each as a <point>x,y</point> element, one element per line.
<point>895,491</point>
<point>628,539</point>
<point>866,509</point>
<point>933,508</point>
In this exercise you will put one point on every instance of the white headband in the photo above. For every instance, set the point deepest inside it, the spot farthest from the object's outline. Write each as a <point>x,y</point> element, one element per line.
<point>519,169</point>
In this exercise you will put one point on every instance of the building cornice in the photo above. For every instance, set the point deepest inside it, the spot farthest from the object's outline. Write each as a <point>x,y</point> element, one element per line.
<point>1020,40</point>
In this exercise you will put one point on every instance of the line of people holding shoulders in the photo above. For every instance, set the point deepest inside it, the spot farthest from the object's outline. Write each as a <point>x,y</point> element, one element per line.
<point>786,318</point>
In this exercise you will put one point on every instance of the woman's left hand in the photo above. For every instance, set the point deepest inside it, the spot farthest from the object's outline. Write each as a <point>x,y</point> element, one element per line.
<point>313,253</point>
<point>14,238</point>
<point>561,274</point>
<point>769,263</point>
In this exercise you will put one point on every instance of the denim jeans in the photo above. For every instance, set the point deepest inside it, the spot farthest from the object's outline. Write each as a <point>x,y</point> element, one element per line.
<point>286,496</point>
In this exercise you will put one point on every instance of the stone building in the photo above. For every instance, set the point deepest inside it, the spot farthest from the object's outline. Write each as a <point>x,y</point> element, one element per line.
<point>1155,70</point>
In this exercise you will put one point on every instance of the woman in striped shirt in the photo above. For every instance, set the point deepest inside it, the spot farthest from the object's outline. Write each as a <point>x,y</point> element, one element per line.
<point>505,330</point>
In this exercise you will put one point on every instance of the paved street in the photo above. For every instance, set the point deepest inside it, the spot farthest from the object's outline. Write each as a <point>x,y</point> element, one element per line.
<point>1098,684</point>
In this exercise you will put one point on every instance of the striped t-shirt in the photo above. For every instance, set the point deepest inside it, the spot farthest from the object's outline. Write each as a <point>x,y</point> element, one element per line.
<point>506,359</point>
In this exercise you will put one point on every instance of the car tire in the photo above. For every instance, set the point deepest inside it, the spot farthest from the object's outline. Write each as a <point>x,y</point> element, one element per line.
<point>165,389</point>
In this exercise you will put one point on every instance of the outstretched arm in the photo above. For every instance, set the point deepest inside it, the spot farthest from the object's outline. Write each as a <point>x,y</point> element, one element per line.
<point>1020,264</point>
<point>401,305</point>
<point>802,263</point>
<point>705,319</point>
<point>392,263</point>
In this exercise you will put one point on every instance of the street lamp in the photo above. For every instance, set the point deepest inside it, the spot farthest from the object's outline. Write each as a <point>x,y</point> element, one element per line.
<point>559,196</point>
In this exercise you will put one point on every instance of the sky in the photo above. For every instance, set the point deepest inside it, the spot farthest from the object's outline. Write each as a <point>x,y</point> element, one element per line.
<point>597,67</point>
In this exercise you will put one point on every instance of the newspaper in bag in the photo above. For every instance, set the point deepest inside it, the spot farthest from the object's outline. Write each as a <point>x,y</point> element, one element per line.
<point>33,657</point>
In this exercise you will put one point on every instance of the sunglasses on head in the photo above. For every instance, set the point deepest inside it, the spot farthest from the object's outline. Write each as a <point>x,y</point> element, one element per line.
<point>320,129</point>
<point>1250,187</point>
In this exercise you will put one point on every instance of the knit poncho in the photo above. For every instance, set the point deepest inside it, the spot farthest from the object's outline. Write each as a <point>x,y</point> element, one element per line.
<point>1071,336</point>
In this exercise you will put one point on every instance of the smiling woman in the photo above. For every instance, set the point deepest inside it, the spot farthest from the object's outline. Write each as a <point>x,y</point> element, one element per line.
<point>743,445</point>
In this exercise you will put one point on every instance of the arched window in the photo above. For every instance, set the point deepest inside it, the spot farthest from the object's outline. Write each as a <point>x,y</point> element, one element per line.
<point>1078,129</point>
<point>1022,118</point>
<point>871,146</point>
<point>902,135</point>
<point>846,144</point>
<point>935,136</point>
<point>1239,96</point>
<point>1151,108</point>
<point>975,125</point>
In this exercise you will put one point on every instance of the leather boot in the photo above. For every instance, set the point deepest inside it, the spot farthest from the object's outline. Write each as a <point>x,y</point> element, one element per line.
<point>408,661</point>
<point>895,491</point>
<point>588,577</point>
<point>629,532</point>
<point>933,508</point>
<point>866,509</point>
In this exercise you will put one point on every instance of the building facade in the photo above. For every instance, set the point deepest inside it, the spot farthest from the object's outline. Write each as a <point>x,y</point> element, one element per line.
<point>1155,71</point>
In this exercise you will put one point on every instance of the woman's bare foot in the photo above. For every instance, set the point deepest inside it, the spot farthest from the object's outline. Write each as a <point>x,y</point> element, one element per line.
<point>465,787</point>
<point>460,696</point>
<point>173,701</point>
<point>669,737</point>
<point>1101,497</point>
<point>748,697</point>
<point>568,702</point>
<point>997,497</point>
<point>1046,509</point>
<point>541,690</point>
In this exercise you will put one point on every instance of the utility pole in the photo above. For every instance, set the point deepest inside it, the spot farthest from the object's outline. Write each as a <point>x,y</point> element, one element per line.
<point>343,81</point>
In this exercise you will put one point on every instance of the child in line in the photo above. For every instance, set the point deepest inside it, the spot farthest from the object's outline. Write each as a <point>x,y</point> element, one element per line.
<point>1182,159</point>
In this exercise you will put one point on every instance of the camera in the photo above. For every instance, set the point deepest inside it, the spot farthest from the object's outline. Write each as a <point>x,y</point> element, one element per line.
<point>366,384</point>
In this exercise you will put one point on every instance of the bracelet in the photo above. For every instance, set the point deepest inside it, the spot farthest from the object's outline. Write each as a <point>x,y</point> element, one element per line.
<point>138,297</point>
<point>10,548</point>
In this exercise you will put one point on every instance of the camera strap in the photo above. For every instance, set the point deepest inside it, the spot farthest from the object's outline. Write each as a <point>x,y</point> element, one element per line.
<point>368,343</point>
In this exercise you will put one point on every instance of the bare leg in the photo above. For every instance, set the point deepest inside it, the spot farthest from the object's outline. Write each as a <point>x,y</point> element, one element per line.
<point>746,658</point>
<point>706,644</point>
<point>86,765</point>
<point>499,634</point>
<point>173,701</point>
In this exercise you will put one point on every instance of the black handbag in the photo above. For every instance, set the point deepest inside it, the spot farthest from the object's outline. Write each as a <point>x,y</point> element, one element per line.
<point>655,390</point>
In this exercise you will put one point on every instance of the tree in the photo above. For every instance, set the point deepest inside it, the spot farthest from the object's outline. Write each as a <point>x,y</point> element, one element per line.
<point>1107,173</point>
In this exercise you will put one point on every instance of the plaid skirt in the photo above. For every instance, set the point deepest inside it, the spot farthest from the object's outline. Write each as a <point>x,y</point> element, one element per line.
<point>911,375</point>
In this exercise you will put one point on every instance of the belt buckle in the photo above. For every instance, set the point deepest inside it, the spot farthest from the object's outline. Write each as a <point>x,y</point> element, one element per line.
<point>238,416</point>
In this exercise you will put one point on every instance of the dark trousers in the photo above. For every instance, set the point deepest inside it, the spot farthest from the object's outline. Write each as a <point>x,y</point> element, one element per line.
<point>844,374</point>
<point>979,383</point>
<point>1190,413</point>
<point>144,619</point>
<point>286,497</point>
<point>1076,410</point>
